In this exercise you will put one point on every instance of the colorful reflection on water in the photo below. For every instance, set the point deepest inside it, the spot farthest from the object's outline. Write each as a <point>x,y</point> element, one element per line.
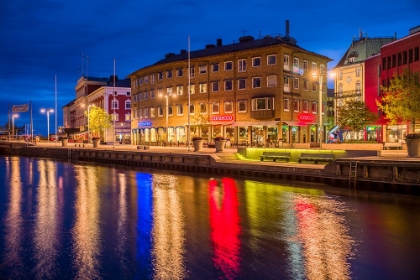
<point>79,221</point>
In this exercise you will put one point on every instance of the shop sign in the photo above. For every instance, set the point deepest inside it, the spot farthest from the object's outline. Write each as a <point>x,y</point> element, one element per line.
<point>142,124</point>
<point>306,117</point>
<point>297,70</point>
<point>222,118</point>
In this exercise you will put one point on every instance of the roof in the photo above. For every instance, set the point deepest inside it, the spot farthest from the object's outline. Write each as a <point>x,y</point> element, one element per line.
<point>362,49</point>
<point>121,83</point>
<point>245,43</point>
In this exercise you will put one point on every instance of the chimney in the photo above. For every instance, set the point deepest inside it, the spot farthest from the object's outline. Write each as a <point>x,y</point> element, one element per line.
<point>287,28</point>
<point>219,42</point>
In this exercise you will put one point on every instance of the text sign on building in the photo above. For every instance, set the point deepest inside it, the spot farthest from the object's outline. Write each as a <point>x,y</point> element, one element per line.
<point>142,124</point>
<point>222,118</point>
<point>306,117</point>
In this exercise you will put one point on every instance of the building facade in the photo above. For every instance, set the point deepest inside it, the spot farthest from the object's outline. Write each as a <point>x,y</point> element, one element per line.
<point>100,92</point>
<point>253,92</point>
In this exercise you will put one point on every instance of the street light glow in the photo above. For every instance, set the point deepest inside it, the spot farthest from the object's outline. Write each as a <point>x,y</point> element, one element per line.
<point>48,111</point>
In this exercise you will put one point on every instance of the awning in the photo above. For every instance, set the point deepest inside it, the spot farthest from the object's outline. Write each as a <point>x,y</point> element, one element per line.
<point>297,123</point>
<point>266,123</point>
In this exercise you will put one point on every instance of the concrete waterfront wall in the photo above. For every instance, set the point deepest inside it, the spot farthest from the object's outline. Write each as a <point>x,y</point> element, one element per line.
<point>385,176</point>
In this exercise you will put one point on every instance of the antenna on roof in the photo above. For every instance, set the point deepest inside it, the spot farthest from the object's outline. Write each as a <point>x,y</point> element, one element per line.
<point>245,31</point>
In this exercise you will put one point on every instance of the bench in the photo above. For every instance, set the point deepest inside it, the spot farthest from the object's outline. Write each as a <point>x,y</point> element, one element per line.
<point>275,156</point>
<point>392,145</point>
<point>316,157</point>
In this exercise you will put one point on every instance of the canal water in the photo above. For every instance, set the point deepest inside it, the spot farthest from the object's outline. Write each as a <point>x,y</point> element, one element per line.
<point>63,220</point>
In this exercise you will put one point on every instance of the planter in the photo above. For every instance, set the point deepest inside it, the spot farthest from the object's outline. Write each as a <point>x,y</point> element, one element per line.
<point>352,146</point>
<point>64,142</point>
<point>95,143</point>
<point>413,147</point>
<point>220,145</point>
<point>198,145</point>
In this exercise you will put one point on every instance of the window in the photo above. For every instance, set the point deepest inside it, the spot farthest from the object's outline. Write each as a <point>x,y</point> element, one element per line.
<point>202,69</point>
<point>242,65</point>
<point>241,106</point>
<point>127,117</point>
<point>404,57</point>
<point>271,59</point>
<point>146,95</point>
<point>314,67</point>
<point>215,67</point>
<point>169,91</point>
<point>305,65</point>
<point>296,105</point>
<point>388,62</point>
<point>286,104</point>
<point>170,111</point>
<point>286,59</point>
<point>321,69</point>
<point>192,73</point>
<point>295,63</point>
<point>305,106</point>
<point>314,107</point>
<point>140,113</point>
<point>305,84</point>
<point>394,60</point>
<point>262,104</point>
<point>256,82</point>
<point>152,112</point>
<point>416,54</point>
<point>214,86</point>
<point>215,108</point>
<point>296,83</point>
<point>160,111</point>
<point>192,109</point>
<point>340,75</point>
<point>399,59</point>
<point>140,96</point>
<point>228,107</point>
<point>114,104</point>
<point>160,91</point>
<point>141,80</point>
<point>128,93</point>
<point>271,81</point>
<point>228,65</point>
<point>179,72</point>
<point>152,78</point>
<point>168,74</point>
<point>241,83</point>
<point>160,75</point>
<point>192,89</point>
<point>203,87</point>
<point>383,63</point>
<point>228,85</point>
<point>128,105</point>
<point>179,110</point>
<point>314,86</point>
<point>146,112</point>
<point>146,79</point>
<point>357,72</point>
<point>410,55</point>
<point>152,94</point>
<point>179,90</point>
<point>351,59</point>
<point>203,108</point>
<point>286,82</point>
<point>256,61</point>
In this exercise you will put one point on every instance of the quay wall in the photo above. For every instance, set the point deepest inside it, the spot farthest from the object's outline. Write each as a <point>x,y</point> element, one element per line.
<point>384,176</point>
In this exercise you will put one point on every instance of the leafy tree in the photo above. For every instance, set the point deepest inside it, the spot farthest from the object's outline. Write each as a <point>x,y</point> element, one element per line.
<point>99,120</point>
<point>355,115</point>
<point>401,99</point>
<point>199,123</point>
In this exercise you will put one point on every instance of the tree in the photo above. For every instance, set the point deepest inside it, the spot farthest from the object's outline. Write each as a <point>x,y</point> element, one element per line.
<point>200,123</point>
<point>401,99</point>
<point>355,115</point>
<point>99,120</point>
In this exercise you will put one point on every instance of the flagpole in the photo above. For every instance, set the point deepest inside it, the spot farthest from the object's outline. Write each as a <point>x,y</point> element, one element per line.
<point>9,121</point>
<point>31,122</point>
<point>56,113</point>
<point>189,94</point>
<point>113,106</point>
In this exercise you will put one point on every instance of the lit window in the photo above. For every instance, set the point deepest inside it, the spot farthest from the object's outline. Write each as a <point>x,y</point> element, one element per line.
<point>203,87</point>
<point>242,65</point>
<point>228,107</point>
<point>179,90</point>
<point>179,110</point>
<point>202,69</point>
<point>203,108</point>
<point>215,108</point>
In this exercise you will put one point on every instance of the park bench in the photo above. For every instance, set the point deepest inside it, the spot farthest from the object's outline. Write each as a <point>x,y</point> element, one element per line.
<point>316,157</point>
<point>392,145</point>
<point>275,156</point>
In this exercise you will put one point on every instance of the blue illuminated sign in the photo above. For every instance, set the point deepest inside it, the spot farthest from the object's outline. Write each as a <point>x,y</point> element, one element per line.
<point>145,124</point>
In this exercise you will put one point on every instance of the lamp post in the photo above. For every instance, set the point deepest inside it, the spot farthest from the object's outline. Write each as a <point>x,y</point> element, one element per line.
<point>320,80</point>
<point>13,123</point>
<point>48,111</point>
<point>166,115</point>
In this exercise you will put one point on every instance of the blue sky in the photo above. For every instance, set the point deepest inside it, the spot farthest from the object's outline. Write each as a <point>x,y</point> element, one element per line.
<point>46,38</point>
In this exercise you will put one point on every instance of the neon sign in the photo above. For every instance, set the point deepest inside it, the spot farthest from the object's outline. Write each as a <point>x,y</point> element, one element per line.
<point>306,117</point>
<point>225,118</point>
<point>145,124</point>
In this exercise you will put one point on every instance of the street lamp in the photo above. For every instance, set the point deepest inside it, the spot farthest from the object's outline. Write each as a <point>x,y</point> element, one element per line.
<point>88,120</point>
<point>13,123</point>
<point>166,114</point>
<point>320,81</point>
<point>48,111</point>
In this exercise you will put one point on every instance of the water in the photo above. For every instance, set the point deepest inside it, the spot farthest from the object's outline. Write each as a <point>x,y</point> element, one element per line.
<point>80,221</point>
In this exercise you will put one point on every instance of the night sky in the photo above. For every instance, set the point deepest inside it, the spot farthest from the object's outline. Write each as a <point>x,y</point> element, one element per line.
<point>43,39</point>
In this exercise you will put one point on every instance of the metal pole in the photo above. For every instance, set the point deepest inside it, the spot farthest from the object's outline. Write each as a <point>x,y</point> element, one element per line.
<point>113,106</point>
<point>48,125</point>
<point>167,111</point>
<point>320,111</point>
<point>88,125</point>
<point>189,94</point>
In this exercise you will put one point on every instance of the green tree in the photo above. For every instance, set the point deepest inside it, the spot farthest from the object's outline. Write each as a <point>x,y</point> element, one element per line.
<point>355,115</point>
<point>99,120</point>
<point>200,123</point>
<point>401,99</point>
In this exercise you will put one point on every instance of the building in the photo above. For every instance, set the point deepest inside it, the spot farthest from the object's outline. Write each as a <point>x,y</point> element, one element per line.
<point>99,92</point>
<point>352,75</point>
<point>253,92</point>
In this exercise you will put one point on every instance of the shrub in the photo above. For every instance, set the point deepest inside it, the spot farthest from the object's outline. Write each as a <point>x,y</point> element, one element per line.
<point>195,138</point>
<point>413,136</point>
<point>218,138</point>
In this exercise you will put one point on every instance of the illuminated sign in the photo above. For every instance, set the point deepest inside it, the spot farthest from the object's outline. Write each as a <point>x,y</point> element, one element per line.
<point>306,117</point>
<point>297,70</point>
<point>145,124</point>
<point>223,118</point>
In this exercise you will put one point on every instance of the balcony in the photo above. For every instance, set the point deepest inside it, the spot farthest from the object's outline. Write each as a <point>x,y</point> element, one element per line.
<point>262,114</point>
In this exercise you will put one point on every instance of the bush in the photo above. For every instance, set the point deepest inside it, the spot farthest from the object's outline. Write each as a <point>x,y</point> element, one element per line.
<point>195,138</point>
<point>219,138</point>
<point>413,136</point>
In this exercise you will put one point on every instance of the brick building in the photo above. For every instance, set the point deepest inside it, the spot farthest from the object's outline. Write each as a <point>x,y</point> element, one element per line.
<point>254,91</point>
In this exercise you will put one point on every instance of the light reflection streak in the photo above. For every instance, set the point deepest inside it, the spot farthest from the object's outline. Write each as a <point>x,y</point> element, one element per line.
<point>168,229</point>
<point>322,235</point>
<point>14,221</point>
<point>225,229</point>
<point>122,220</point>
<point>46,233</point>
<point>86,232</point>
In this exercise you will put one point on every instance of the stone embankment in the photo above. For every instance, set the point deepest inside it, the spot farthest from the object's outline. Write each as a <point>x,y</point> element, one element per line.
<point>395,173</point>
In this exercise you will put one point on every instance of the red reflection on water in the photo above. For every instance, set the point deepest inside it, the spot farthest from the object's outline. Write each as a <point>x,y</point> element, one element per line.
<point>224,222</point>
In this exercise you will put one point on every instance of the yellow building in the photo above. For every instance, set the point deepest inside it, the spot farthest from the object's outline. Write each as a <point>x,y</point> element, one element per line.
<point>253,92</point>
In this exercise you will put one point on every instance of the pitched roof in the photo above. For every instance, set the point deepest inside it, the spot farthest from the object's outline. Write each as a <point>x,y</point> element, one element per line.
<point>362,49</point>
